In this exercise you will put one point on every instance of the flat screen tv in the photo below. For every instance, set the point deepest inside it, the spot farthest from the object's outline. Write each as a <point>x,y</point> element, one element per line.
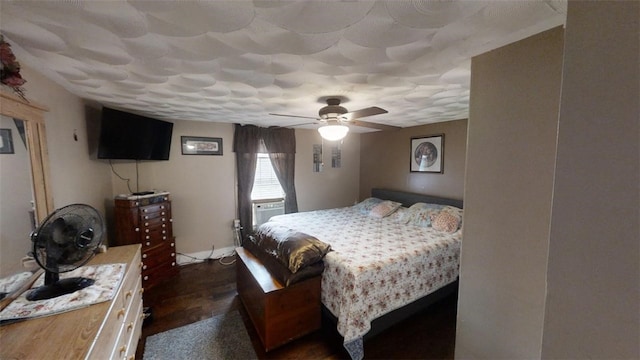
<point>127,136</point>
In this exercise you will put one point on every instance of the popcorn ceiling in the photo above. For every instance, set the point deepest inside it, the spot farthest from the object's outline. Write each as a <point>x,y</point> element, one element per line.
<point>238,61</point>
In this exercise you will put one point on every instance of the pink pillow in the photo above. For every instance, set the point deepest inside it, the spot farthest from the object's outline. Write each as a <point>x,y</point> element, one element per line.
<point>385,208</point>
<point>445,221</point>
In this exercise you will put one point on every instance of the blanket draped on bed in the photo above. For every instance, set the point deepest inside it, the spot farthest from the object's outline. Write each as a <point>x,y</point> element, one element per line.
<point>377,265</point>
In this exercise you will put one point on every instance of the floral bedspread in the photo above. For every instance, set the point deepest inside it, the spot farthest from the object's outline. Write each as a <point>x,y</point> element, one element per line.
<point>376,266</point>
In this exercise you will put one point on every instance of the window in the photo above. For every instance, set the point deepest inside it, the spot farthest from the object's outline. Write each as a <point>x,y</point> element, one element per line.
<point>266,184</point>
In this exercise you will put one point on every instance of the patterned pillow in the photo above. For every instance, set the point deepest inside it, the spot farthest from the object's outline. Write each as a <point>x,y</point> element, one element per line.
<point>400,216</point>
<point>384,208</point>
<point>446,221</point>
<point>453,210</point>
<point>366,205</point>
<point>422,213</point>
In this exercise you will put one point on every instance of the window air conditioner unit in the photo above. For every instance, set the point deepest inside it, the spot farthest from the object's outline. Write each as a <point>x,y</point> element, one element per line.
<point>263,211</point>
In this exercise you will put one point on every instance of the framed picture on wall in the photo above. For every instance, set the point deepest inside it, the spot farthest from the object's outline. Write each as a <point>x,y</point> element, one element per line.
<point>427,154</point>
<point>196,145</point>
<point>6,141</point>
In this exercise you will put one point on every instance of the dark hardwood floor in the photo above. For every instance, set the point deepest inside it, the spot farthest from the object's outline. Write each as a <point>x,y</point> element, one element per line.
<point>202,290</point>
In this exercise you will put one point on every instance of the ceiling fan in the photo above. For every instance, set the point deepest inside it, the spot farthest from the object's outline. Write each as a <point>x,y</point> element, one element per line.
<point>335,117</point>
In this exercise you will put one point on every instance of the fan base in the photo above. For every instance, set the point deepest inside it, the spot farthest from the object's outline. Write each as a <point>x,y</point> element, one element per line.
<point>60,287</point>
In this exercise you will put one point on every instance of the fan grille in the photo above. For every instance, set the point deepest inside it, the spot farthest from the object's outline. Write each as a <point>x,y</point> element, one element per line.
<point>68,238</point>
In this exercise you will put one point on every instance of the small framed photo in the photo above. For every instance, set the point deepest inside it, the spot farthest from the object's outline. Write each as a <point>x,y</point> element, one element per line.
<point>6,141</point>
<point>196,145</point>
<point>427,154</point>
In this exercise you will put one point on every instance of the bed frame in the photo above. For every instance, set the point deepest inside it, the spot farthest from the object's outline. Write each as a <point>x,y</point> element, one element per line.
<point>384,322</point>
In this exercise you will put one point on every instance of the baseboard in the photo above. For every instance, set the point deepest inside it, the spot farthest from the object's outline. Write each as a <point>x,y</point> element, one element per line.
<point>185,259</point>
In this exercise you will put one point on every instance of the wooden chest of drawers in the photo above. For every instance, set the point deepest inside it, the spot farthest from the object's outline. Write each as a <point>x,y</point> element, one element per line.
<point>146,220</point>
<point>107,330</point>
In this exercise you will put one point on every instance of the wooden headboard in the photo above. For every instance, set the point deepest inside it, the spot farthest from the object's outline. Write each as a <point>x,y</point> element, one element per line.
<point>407,199</point>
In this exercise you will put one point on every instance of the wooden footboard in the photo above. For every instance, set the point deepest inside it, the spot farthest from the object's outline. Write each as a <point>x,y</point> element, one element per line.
<point>279,314</point>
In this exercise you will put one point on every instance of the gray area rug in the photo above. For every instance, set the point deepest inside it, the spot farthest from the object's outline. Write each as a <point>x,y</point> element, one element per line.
<point>220,337</point>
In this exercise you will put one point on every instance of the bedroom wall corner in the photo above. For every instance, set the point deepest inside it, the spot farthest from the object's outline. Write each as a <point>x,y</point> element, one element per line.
<point>385,157</point>
<point>331,187</point>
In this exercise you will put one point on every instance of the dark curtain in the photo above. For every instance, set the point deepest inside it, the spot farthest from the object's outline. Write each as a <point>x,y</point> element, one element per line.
<point>280,143</point>
<point>246,145</point>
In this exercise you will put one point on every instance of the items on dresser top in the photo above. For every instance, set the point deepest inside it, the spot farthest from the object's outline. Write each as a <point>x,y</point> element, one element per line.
<point>107,280</point>
<point>107,330</point>
<point>146,220</point>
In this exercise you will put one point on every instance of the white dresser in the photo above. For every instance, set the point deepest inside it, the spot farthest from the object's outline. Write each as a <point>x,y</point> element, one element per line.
<point>109,330</point>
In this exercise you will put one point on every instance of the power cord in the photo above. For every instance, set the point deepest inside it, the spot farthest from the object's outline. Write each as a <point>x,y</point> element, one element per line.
<point>236,242</point>
<point>122,178</point>
<point>196,259</point>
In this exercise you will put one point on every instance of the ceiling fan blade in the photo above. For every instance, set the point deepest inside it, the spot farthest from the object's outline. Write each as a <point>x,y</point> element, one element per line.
<point>373,125</point>
<point>370,111</point>
<point>295,116</point>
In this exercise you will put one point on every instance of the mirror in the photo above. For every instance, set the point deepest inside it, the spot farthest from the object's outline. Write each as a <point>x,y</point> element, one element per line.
<point>25,166</point>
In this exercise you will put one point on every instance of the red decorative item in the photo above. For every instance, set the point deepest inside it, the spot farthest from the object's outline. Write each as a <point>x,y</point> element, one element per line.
<point>10,71</point>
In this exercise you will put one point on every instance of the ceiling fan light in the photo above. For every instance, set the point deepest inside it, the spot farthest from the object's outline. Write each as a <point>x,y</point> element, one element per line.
<point>333,132</point>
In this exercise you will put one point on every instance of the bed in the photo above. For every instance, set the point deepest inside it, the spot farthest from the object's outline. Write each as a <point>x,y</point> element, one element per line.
<point>383,264</point>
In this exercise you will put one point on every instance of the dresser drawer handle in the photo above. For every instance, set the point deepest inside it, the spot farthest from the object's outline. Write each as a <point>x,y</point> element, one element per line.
<point>170,220</point>
<point>140,265</point>
<point>146,224</point>
<point>144,210</point>
<point>130,326</point>
<point>164,231</point>
<point>164,225</point>
<point>141,292</point>
<point>163,219</point>
<point>173,254</point>
<point>147,237</point>
<point>121,312</point>
<point>144,267</point>
<point>146,230</point>
<point>173,244</point>
<point>128,294</point>
<point>164,238</point>
<point>162,213</point>
<point>137,229</point>
<point>123,350</point>
<point>144,256</point>
<point>148,243</point>
<point>146,277</point>
<point>146,217</point>
<point>173,263</point>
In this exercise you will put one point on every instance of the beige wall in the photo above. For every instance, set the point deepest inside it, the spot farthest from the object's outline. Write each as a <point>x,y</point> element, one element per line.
<point>593,296</point>
<point>75,178</point>
<point>203,189</point>
<point>582,300</point>
<point>385,161</point>
<point>332,187</point>
<point>15,203</point>
<point>508,190</point>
